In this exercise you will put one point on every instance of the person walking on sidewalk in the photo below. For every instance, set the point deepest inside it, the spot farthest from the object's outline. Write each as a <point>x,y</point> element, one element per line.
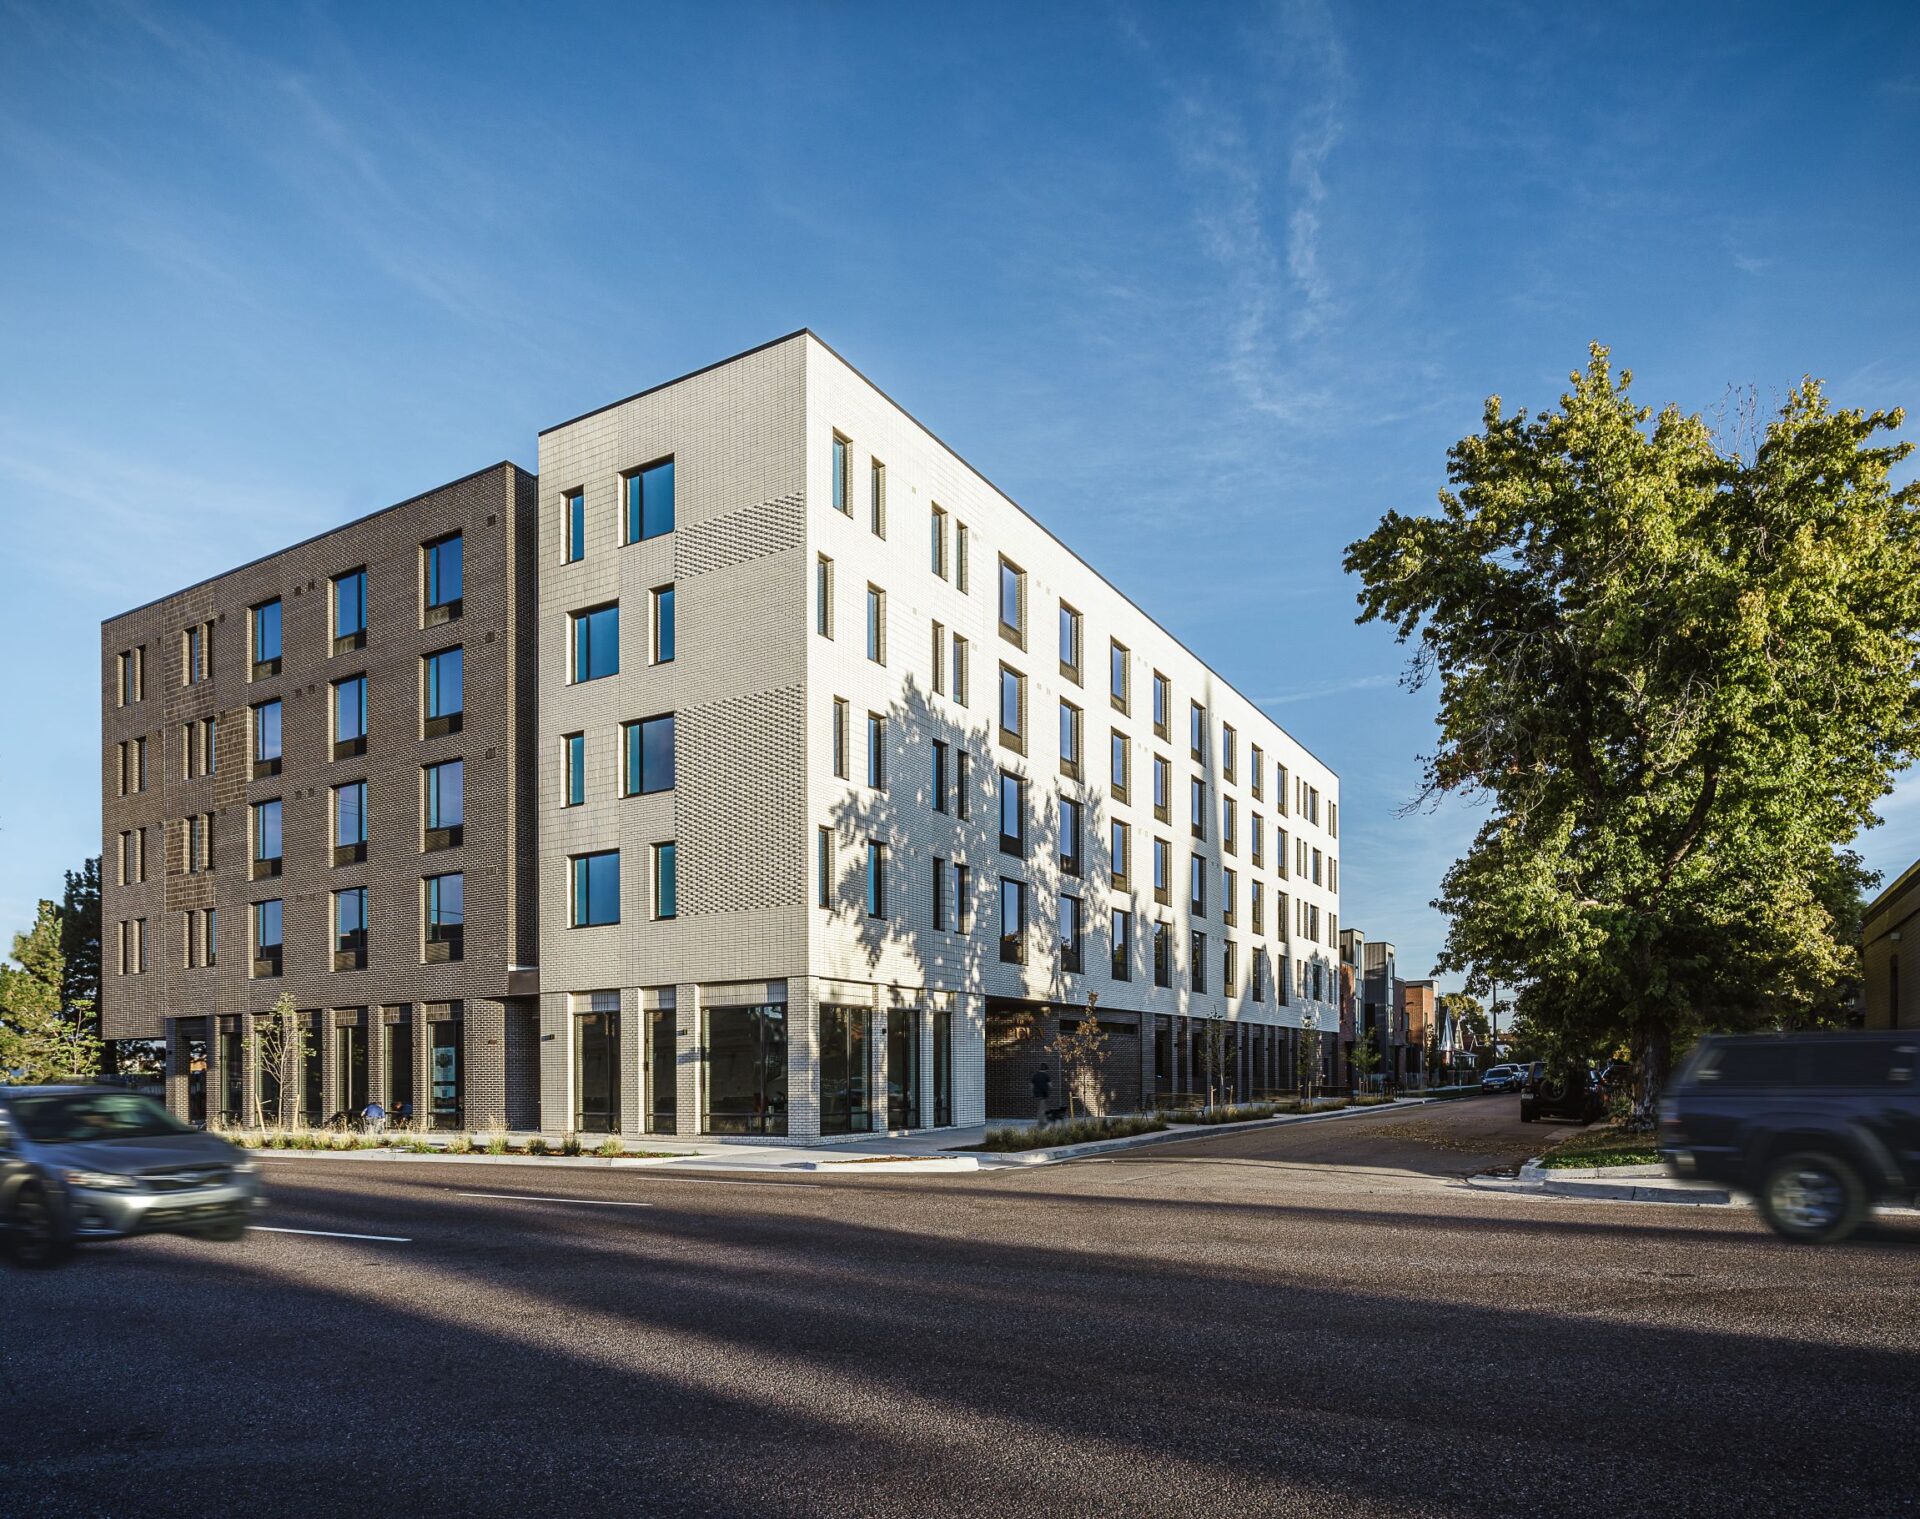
<point>1042,1091</point>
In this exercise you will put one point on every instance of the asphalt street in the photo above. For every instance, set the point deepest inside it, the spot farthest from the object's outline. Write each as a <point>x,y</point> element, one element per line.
<point>1310,1320</point>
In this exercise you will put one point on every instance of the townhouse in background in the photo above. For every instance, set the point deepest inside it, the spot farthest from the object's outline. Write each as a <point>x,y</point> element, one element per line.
<point>806,784</point>
<point>1892,924</point>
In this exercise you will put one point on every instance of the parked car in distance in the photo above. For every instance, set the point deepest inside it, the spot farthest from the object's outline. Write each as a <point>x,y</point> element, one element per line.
<point>1816,1128</point>
<point>1571,1090</point>
<point>96,1163</point>
<point>1500,1078</point>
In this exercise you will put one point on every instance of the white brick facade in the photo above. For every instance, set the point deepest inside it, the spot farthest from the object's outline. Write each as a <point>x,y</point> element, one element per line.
<point>753,686</point>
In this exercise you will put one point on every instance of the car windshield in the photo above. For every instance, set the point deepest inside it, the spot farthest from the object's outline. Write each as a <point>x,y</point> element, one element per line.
<point>66,1118</point>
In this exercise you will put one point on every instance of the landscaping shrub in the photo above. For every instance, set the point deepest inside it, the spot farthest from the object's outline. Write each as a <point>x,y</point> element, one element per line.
<point>1080,1131</point>
<point>611,1148</point>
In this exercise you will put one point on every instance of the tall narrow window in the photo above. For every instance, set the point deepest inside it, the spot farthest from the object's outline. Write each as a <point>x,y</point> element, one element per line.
<point>842,475</point>
<point>1070,836</point>
<point>266,839</point>
<point>663,625</point>
<point>446,911</point>
<point>1013,813</point>
<point>349,611</point>
<point>596,889</point>
<point>596,642</point>
<point>1122,968</point>
<point>1013,709</point>
<point>939,777</point>
<point>1162,704</point>
<point>1119,767</point>
<point>1229,895</point>
<point>266,639</point>
<point>444,804</point>
<point>1070,631</point>
<point>1013,603</point>
<point>876,879</point>
<point>960,557</point>
<point>1162,871</point>
<point>193,643</point>
<point>841,762</point>
<point>576,515</point>
<point>1256,770</point>
<point>268,918</point>
<point>650,501</point>
<point>876,751</point>
<point>1120,852</point>
<point>962,782</point>
<point>649,757</point>
<point>350,928</point>
<point>1119,680</point>
<point>1197,730</point>
<point>960,663</point>
<point>1069,740</point>
<point>877,498</point>
<point>666,880</point>
<point>266,739</point>
<point>573,762</point>
<point>1199,953</point>
<point>876,625</point>
<point>1013,921</point>
<point>350,716</point>
<point>1228,747</point>
<point>938,882</point>
<point>1071,936</point>
<point>1229,825</point>
<point>823,596</point>
<point>445,580</point>
<point>446,693</point>
<point>1163,954</point>
<point>1197,806</point>
<point>823,866</point>
<point>962,899</point>
<point>938,548</point>
<point>1197,886</point>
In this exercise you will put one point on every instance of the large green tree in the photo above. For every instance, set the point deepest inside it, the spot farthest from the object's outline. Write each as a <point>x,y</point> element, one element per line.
<point>1680,670</point>
<point>41,1037</point>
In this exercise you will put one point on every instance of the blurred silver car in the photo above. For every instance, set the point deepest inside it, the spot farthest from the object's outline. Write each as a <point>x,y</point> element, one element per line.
<point>95,1163</point>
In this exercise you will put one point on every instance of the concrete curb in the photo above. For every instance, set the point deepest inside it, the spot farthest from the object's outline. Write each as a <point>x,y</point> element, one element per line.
<point>1173,1132</point>
<point>893,1165</point>
<point>1633,1184</point>
<point>429,1158</point>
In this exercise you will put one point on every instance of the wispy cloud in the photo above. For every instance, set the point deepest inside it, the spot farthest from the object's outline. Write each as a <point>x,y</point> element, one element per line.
<point>1331,688</point>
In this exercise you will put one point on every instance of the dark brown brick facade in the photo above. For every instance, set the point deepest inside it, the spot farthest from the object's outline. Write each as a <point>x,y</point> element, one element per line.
<point>495,512</point>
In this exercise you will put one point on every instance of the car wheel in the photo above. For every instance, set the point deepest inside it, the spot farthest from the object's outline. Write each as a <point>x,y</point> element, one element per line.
<point>1812,1199</point>
<point>35,1235</point>
<point>226,1231</point>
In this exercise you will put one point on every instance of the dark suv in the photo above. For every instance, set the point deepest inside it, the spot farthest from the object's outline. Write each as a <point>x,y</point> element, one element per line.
<point>1816,1127</point>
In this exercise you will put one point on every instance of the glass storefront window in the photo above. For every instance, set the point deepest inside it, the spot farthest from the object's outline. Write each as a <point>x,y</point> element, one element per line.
<point>350,1066</point>
<point>399,1068</point>
<point>596,1044</point>
<point>746,1053</point>
<point>845,1038</point>
<point>663,1058</point>
<point>903,1070</point>
<point>444,1074</point>
<point>942,1069</point>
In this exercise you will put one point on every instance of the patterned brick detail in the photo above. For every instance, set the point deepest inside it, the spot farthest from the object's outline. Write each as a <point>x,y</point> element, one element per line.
<point>730,771</point>
<point>772,527</point>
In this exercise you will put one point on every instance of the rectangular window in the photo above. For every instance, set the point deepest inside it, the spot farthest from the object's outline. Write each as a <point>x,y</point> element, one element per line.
<point>1229,969</point>
<point>350,929</point>
<point>209,748</point>
<point>193,644</point>
<point>132,676</point>
<point>1197,730</point>
<point>938,882</point>
<point>842,475</point>
<point>1280,851</point>
<point>1013,921</point>
<point>1197,886</point>
<point>1199,952</point>
<point>1163,954</point>
<point>1071,935</point>
<point>1280,790</point>
<point>1257,836</point>
<point>446,693</point>
<point>444,804</point>
<point>1317,857</point>
<point>1013,813</point>
<point>1162,789</point>
<point>823,866</point>
<point>1122,966</point>
<point>1229,825</point>
<point>1119,682</point>
<point>1229,892</point>
<point>823,596</point>
<point>210,936</point>
<point>444,578</point>
<point>939,659</point>
<point>596,889</point>
<point>349,611</point>
<point>963,899</point>
<point>266,639</point>
<point>962,786</point>
<point>1333,819</point>
<point>1162,704</point>
<point>1070,831</point>
<point>939,777</point>
<point>1120,852</point>
<point>841,762</point>
<point>666,880</point>
<point>350,716</point>
<point>1259,901</point>
<point>267,922</point>
<point>960,557</point>
<point>266,839</point>
<point>446,910</point>
<point>1069,739</point>
<point>1013,709</point>
<point>574,510</point>
<point>1070,631</point>
<point>596,642</point>
<point>876,879</point>
<point>573,769</point>
<point>267,740</point>
<point>1013,603</point>
<point>350,822</point>
<point>745,1089</point>
<point>1228,746</point>
<point>650,502</point>
<point>1256,769</point>
<point>1197,806</point>
<point>959,669</point>
<point>877,498</point>
<point>1162,871</point>
<point>1119,756</point>
<point>650,754</point>
<point>876,625</point>
<point>876,751</point>
<point>939,544</point>
<point>663,631</point>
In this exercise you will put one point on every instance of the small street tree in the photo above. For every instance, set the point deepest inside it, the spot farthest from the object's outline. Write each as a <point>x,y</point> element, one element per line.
<point>1682,668</point>
<point>276,1045</point>
<point>1310,1057</point>
<point>1082,1053</point>
<point>1365,1059</point>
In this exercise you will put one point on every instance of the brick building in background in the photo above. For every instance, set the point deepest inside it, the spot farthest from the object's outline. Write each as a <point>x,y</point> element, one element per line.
<point>1892,978</point>
<point>809,784</point>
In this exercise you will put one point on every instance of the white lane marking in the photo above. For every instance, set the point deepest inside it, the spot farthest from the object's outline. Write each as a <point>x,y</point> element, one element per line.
<point>385,1239</point>
<point>523,1197</point>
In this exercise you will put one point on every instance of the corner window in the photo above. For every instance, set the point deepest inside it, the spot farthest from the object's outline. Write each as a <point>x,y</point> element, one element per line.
<point>596,642</point>
<point>650,762</point>
<point>574,510</point>
<point>877,497</point>
<point>823,596</point>
<point>596,889</point>
<point>650,502</point>
<point>842,475</point>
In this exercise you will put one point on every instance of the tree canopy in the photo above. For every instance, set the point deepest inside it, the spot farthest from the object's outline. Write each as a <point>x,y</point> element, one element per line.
<point>1680,671</point>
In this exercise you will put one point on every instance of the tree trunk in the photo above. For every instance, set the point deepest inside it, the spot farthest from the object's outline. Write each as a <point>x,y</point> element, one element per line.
<point>1652,1058</point>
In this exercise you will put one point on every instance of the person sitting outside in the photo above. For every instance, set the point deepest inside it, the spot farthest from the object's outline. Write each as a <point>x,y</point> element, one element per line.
<point>373,1117</point>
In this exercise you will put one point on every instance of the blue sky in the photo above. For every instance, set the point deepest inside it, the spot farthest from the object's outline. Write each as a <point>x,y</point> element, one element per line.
<point>1206,289</point>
